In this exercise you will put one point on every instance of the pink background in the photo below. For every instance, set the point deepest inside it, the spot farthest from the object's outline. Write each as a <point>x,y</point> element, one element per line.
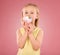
<point>49,22</point>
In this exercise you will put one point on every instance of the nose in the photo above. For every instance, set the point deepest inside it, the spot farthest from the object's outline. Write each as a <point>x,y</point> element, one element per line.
<point>28,15</point>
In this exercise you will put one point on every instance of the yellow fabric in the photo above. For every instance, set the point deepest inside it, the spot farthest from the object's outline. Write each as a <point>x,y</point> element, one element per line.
<point>28,50</point>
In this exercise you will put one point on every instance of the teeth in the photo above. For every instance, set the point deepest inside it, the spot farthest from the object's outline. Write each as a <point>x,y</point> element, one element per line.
<point>27,19</point>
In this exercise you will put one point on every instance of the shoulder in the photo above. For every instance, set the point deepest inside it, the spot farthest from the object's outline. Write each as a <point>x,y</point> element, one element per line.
<point>40,30</point>
<point>18,30</point>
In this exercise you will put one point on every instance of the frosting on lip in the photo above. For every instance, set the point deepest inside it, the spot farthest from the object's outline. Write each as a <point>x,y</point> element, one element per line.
<point>27,19</point>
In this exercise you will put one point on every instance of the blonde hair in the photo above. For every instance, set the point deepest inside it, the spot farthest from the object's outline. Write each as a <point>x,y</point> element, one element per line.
<point>30,4</point>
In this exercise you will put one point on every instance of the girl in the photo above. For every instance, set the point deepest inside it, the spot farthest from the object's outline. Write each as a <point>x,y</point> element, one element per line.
<point>29,36</point>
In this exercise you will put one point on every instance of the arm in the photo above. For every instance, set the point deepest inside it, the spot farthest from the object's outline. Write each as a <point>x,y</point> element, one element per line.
<point>36,43</point>
<point>21,39</point>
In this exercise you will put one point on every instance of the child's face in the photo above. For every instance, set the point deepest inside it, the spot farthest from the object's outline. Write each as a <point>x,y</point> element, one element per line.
<point>30,11</point>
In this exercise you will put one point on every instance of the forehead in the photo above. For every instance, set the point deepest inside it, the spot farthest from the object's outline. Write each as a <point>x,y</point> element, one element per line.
<point>29,8</point>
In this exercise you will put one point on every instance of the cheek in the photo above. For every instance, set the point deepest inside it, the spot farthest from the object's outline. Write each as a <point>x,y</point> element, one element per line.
<point>33,21</point>
<point>33,16</point>
<point>24,14</point>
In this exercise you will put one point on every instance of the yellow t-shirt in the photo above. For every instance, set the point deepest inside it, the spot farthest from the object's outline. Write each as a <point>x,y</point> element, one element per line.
<point>28,50</point>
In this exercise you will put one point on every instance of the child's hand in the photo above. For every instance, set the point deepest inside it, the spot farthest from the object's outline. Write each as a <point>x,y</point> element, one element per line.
<point>30,28</point>
<point>25,25</point>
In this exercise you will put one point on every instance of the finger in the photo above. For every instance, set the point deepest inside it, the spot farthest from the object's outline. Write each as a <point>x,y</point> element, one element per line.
<point>30,26</point>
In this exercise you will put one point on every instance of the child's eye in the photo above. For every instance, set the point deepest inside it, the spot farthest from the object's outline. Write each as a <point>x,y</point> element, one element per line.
<point>26,12</point>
